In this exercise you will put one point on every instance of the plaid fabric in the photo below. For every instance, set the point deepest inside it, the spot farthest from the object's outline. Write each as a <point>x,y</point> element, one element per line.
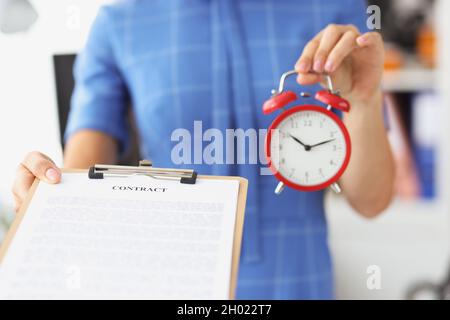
<point>215,61</point>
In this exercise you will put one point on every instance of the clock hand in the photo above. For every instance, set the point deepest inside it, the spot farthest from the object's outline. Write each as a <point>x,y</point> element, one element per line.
<point>322,143</point>
<point>307,147</point>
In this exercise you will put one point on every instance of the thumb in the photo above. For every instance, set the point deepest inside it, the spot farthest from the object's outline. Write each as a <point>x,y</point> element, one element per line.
<point>370,39</point>
<point>42,167</point>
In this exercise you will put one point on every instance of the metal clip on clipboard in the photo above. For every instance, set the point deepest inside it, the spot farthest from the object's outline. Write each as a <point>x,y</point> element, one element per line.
<point>145,168</point>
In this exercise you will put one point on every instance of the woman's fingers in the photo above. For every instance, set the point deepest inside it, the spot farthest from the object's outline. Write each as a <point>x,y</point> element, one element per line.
<point>42,167</point>
<point>327,50</point>
<point>308,78</point>
<point>35,165</point>
<point>18,203</point>
<point>370,39</point>
<point>330,38</point>
<point>22,183</point>
<point>305,62</point>
<point>341,50</point>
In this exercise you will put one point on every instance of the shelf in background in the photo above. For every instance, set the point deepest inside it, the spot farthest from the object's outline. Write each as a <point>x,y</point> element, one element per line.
<point>409,80</point>
<point>414,221</point>
<point>412,208</point>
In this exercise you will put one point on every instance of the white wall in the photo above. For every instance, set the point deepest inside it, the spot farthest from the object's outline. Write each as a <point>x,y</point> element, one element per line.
<point>28,110</point>
<point>409,244</point>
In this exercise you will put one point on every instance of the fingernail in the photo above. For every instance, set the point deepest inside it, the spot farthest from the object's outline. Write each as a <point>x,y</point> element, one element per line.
<point>329,66</point>
<point>362,40</point>
<point>318,66</point>
<point>52,175</point>
<point>303,67</point>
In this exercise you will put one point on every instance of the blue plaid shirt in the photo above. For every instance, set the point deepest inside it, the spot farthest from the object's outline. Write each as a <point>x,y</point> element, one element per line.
<point>178,61</point>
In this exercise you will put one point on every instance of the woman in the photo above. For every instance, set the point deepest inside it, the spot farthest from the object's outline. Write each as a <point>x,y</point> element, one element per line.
<point>216,61</point>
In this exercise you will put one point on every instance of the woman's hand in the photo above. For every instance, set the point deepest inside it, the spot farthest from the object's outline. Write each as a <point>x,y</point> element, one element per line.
<point>354,61</point>
<point>35,165</point>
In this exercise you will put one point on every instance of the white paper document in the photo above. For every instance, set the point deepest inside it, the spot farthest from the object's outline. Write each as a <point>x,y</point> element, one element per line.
<point>123,238</point>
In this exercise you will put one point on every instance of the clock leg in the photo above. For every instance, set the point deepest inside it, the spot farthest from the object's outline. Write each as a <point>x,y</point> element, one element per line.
<point>336,188</point>
<point>279,189</point>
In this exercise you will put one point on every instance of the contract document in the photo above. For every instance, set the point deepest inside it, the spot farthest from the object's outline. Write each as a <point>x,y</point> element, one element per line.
<point>124,238</point>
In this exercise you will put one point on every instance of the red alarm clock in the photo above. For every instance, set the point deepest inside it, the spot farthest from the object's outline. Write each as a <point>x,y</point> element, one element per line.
<point>308,147</point>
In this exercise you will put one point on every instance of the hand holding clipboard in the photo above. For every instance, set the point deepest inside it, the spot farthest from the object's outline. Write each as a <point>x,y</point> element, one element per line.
<point>129,242</point>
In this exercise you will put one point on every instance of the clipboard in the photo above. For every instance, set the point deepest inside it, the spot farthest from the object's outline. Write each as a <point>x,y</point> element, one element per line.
<point>169,174</point>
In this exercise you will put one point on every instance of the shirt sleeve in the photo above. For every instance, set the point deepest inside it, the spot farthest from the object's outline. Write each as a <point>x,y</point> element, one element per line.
<point>100,98</point>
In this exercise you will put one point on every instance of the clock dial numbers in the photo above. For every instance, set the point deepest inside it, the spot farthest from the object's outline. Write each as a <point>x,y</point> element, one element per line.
<point>309,148</point>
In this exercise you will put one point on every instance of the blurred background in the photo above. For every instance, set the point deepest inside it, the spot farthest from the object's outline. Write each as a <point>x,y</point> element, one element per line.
<point>409,245</point>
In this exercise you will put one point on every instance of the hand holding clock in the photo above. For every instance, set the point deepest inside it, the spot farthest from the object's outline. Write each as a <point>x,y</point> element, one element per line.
<point>353,60</point>
<point>355,63</point>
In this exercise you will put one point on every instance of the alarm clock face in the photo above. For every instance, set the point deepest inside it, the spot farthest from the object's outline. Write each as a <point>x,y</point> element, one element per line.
<point>308,148</point>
